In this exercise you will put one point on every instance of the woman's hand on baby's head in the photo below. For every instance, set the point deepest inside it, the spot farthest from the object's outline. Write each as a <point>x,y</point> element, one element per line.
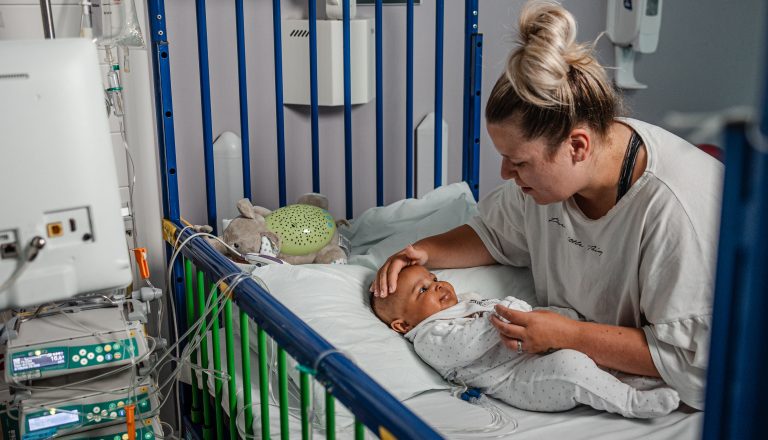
<point>386,278</point>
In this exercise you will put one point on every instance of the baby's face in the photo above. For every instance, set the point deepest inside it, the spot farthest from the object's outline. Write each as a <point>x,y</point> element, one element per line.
<point>419,295</point>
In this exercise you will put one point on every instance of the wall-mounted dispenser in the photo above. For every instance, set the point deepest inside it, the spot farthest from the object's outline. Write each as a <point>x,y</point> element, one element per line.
<point>330,58</point>
<point>633,27</point>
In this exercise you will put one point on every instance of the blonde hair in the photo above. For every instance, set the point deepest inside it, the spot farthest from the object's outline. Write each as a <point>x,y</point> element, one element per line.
<point>552,82</point>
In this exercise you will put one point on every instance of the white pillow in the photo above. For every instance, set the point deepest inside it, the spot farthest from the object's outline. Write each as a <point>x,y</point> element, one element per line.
<point>333,300</point>
<point>380,232</point>
<point>495,281</point>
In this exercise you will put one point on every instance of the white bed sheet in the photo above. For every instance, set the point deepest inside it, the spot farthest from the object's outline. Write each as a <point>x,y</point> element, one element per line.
<point>446,414</point>
<point>443,411</point>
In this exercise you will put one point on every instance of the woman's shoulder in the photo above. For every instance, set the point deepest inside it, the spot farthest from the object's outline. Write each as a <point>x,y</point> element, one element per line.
<point>670,156</point>
<point>680,171</point>
<point>507,197</point>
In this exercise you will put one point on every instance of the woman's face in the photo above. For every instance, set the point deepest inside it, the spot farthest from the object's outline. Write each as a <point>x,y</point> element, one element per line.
<point>546,179</point>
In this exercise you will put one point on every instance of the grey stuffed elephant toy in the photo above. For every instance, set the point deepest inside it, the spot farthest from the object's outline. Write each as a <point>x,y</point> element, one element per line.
<point>258,230</point>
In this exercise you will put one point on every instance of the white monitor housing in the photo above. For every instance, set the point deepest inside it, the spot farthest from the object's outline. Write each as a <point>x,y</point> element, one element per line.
<point>58,182</point>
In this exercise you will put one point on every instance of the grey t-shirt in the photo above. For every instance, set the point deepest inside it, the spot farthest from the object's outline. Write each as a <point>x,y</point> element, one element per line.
<point>649,262</point>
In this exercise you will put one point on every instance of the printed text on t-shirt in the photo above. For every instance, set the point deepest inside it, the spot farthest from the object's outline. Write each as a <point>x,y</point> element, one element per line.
<point>576,242</point>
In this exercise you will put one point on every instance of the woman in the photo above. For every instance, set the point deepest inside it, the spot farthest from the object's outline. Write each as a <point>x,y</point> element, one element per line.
<point>616,218</point>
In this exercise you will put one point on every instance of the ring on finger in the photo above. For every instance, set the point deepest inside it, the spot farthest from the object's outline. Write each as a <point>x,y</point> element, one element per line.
<point>519,347</point>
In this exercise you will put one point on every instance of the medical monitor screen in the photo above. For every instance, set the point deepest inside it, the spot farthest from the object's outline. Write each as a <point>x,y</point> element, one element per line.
<point>58,418</point>
<point>35,362</point>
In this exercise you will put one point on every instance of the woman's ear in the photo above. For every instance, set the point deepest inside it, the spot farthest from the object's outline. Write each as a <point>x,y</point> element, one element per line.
<point>580,142</point>
<point>400,326</point>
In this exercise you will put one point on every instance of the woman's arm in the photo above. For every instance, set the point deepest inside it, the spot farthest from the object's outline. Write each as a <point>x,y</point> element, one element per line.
<point>459,247</point>
<point>619,348</point>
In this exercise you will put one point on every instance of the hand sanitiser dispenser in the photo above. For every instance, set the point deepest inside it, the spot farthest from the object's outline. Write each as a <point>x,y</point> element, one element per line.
<point>61,232</point>
<point>633,27</point>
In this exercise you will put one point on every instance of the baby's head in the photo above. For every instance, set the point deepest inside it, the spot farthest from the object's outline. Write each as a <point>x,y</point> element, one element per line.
<point>418,295</point>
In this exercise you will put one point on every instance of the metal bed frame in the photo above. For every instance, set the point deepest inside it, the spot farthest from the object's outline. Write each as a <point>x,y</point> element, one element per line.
<point>193,277</point>
<point>734,408</point>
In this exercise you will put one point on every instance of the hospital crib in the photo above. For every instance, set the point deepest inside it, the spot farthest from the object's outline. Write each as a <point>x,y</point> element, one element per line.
<point>200,267</point>
<point>732,411</point>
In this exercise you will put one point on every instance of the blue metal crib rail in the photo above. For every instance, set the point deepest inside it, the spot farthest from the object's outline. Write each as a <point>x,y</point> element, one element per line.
<point>737,383</point>
<point>370,404</point>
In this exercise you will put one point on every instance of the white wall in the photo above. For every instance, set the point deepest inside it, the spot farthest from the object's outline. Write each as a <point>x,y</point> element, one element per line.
<point>707,60</point>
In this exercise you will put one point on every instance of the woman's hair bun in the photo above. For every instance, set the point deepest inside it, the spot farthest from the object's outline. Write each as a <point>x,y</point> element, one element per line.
<point>547,22</point>
<point>539,68</point>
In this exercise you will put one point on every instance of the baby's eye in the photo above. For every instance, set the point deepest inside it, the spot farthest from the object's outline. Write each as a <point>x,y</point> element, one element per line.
<point>435,279</point>
<point>422,289</point>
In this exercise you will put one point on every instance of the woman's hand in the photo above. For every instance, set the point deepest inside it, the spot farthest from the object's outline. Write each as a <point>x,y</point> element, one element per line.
<point>459,247</point>
<point>539,330</point>
<point>386,279</point>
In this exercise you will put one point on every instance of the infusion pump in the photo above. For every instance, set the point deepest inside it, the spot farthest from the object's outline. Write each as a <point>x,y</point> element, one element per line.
<point>61,344</point>
<point>74,372</point>
<point>58,410</point>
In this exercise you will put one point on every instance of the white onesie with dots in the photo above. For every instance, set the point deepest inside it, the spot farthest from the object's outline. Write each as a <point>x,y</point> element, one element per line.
<point>465,348</point>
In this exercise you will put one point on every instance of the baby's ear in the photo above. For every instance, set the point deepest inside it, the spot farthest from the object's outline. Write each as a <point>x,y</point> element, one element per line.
<point>400,326</point>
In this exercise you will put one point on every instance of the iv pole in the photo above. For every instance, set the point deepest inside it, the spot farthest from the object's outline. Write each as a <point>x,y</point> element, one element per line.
<point>45,9</point>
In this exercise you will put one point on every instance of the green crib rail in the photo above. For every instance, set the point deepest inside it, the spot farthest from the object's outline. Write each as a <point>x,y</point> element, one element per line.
<point>190,299</point>
<point>199,292</point>
<point>203,356</point>
<point>217,382</point>
<point>231,367</point>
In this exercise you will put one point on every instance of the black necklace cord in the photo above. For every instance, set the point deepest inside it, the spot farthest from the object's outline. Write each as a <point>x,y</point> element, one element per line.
<point>630,157</point>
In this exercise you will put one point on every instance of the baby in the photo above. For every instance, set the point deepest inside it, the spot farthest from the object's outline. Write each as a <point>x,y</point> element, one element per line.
<point>457,339</point>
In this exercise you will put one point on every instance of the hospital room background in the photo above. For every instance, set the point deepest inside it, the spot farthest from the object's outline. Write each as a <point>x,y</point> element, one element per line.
<point>706,63</point>
<point>708,69</point>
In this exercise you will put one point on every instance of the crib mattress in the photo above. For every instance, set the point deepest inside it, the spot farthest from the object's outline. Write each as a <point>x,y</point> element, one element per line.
<point>448,414</point>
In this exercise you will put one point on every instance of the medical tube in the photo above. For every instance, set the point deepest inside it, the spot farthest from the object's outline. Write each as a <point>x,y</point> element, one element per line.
<point>86,20</point>
<point>115,91</point>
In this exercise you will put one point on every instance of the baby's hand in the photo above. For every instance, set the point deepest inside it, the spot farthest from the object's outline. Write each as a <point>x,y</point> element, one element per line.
<point>501,318</point>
